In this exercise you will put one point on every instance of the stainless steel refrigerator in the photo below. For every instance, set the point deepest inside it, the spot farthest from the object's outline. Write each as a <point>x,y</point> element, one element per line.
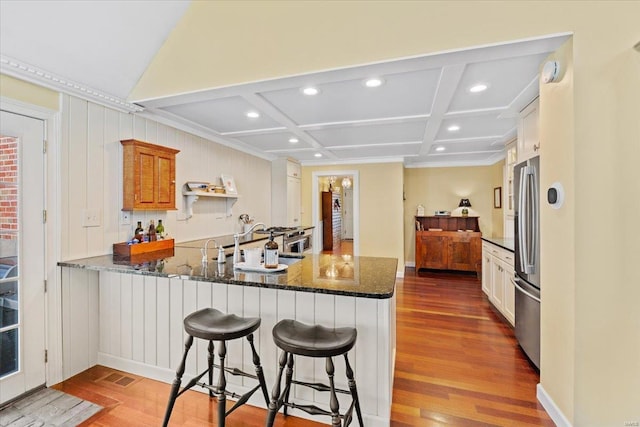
<point>527,254</point>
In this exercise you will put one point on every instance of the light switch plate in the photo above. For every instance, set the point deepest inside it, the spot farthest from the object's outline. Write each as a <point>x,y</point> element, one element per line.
<point>91,218</point>
<point>125,218</point>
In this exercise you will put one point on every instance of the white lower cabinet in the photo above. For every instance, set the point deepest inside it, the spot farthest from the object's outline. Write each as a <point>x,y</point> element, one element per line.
<point>497,272</point>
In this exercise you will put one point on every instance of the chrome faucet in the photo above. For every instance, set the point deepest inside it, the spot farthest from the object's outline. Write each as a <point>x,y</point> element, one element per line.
<point>203,251</point>
<point>236,241</point>
<point>221,254</point>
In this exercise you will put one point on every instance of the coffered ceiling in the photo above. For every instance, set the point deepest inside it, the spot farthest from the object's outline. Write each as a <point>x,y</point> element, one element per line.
<point>422,114</point>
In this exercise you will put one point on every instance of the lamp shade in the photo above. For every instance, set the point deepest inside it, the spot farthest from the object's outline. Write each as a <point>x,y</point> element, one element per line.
<point>464,203</point>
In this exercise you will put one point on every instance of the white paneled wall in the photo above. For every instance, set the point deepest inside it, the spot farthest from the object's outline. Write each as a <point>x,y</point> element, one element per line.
<point>91,161</point>
<point>141,332</point>
<point>91,178</point>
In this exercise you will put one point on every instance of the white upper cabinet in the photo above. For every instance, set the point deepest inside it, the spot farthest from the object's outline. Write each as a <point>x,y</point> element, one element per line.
<point>285,193</point>
<point>528,135</point>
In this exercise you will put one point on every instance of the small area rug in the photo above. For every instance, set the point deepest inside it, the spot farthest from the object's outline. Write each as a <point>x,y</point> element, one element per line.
<point>48,407</point>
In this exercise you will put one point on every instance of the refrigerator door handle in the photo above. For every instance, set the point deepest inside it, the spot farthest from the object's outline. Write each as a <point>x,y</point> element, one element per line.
<point>521,220</point>
<point>533,209</point>
<point>533,297</point>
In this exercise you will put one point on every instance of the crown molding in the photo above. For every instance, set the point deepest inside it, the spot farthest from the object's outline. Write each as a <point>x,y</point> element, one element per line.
<point>23,71</point>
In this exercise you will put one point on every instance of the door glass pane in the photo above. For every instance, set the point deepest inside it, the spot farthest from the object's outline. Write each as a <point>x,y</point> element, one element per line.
<point>9,234</point>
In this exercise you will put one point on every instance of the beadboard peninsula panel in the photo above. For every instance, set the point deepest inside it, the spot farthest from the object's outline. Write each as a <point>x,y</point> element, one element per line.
<point>371,358</point>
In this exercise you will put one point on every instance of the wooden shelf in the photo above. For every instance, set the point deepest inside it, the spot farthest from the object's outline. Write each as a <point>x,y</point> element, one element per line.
<point>193,196</point>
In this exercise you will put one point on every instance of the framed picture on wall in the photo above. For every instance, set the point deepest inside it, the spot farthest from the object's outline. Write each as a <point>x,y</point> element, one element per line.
<point>497,197</point>
<point>229,184</point>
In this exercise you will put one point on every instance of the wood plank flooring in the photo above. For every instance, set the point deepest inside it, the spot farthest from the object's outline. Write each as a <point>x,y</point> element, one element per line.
<point>457,364</point>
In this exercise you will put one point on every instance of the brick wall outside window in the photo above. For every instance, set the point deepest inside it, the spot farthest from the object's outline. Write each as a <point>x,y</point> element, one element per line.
<point>8,187</point>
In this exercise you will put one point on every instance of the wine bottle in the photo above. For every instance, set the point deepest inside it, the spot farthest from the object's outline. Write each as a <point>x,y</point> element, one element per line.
<point>160,230</point>
<point>271,253</point>
<point>138,233</point>
<point>152,232</point>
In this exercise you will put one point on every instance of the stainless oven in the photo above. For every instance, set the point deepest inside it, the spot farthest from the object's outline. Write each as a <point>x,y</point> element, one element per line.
<point>294,239</point>
<point>298,241</point>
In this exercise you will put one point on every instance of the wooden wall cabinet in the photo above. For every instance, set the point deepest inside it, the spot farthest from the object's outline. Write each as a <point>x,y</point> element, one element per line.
<point>149,176</point>
<point>448,243</point>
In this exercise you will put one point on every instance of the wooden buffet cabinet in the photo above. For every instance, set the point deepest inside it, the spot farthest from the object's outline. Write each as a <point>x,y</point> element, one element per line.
<point>149,176</point>
<point>448,243</point>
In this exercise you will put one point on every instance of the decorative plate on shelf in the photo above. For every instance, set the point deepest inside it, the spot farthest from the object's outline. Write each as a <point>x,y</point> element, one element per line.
<point>229,184</point>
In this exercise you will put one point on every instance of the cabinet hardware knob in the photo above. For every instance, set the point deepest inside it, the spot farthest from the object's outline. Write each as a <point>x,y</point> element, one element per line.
<point>536,147</point>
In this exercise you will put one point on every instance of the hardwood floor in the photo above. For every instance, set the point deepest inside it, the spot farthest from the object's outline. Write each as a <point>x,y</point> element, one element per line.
<point>344,248</point>
<point>457,364</point>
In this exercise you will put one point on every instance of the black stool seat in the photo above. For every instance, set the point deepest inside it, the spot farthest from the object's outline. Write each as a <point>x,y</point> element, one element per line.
<point>213,325</point>
<point>313,340</point>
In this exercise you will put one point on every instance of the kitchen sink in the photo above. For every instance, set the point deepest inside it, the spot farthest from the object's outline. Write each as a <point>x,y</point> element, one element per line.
<point>289,260</point>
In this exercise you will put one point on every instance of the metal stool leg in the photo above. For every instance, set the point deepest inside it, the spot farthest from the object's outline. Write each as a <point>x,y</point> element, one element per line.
<point>353,390</point>
<point>222,385</point>
<point>175,387</point>
<point>333,401</point>
<point>259,372</point>
<point>287,386</point>
<point>275,403</point>
<point>210,360</point>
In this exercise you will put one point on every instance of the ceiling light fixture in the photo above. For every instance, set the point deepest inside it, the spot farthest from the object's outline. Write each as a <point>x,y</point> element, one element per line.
<point>373,82</point>
<point>481,87</point>
<point>453,128</point>
<point>441,148</point>
<point>253,114</point>
<point>293,140</point>
<point>310,90</point>
<point>317,155</point>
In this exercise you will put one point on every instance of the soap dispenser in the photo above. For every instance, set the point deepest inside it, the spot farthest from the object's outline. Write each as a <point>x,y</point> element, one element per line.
<point>222,257</point>
<point>271,253</point>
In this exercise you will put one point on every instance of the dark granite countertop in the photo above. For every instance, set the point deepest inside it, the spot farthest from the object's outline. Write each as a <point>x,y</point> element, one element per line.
<point>366,277</point>
<point>508,244</point>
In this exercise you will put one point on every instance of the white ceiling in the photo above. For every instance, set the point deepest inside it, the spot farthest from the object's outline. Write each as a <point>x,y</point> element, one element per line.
<point>102,48</point>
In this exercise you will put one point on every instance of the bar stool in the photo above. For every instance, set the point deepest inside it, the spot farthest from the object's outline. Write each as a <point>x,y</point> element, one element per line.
<point>213,325</point>
<point>300,339</point>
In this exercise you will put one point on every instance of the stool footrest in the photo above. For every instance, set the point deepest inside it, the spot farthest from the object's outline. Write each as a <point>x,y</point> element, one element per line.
<point>319,386</point>
<point>309,409</point>
<point>236,372</point>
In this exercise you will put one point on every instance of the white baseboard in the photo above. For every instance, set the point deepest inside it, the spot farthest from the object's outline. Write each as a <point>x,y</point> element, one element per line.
<point>410,264</point>
<point>167,375</point>
<point>399,274</point>
<point>552,409</point>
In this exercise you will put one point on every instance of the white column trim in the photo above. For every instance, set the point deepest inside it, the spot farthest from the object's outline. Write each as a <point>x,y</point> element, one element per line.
<point>552,409</point>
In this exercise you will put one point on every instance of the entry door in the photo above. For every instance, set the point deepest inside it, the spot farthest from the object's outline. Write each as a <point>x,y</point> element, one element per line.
<point>22,255</point>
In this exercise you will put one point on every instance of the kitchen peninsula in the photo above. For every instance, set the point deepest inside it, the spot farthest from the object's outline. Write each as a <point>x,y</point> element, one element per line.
<point>141,308</point>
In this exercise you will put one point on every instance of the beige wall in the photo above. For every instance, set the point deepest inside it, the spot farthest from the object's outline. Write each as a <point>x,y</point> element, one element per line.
<point>497,214</point>
<point>558,239</point>
<point>28,93</point>
<point>381,207</point>
<point>442,189</point>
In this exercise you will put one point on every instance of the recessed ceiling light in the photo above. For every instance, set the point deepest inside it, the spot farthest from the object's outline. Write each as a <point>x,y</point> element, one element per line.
<point>373,82</point>
<point>453,128</point>
<point>253,114</point>
<point>310,90</point>
<point>478,88</point>
<point>293,140</point>
<point>441,148</point>
<point>318,155</point>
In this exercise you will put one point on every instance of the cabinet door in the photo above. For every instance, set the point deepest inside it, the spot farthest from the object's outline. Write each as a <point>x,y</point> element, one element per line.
<point>464,252</point>
<point>293,202</point>
<point>166,182</point>
<point>431,251</point>
<point>145,177</point>
<point>486,272</point>
<point>528,137</point>
<point>497,288</point>
<point>509,303</point>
